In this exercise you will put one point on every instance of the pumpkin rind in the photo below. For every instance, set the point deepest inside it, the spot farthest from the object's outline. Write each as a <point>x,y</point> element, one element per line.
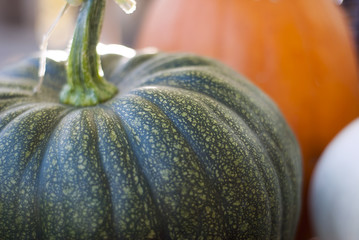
<point>300,52</point>
<point>187,149</point>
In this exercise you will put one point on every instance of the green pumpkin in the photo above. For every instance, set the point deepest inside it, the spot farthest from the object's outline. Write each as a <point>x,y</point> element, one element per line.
<point>186,149</point>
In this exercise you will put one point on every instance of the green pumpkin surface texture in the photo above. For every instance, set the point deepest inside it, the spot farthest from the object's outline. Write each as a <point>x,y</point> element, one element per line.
<point>186,149</point>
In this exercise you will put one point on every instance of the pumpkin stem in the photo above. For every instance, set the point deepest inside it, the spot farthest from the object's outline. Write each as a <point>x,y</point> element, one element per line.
<point>86,85</point>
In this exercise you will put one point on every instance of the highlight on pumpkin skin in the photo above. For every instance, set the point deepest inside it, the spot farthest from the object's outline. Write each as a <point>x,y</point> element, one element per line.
<point>57,55</point>
<point>102,49</point>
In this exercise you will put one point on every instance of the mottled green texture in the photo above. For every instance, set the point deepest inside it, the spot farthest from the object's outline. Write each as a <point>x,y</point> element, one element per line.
<point>188,149</point>
<point>85,86</point>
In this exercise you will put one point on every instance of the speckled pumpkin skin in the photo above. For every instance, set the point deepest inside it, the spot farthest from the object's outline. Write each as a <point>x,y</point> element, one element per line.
<point>188,149</point>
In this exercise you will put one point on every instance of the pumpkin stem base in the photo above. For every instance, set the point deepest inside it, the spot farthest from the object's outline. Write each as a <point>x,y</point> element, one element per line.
<point>79,96</point>
<point>85,85</point>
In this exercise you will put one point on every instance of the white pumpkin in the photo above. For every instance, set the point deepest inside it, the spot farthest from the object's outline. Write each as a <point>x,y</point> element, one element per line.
<point>334,194</point>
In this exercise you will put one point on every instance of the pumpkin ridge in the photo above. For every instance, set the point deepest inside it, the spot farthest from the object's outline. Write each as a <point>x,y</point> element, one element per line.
<point>40,134</point>
<point>109,113</point>
<point>124,67</point>
<point>69,228</point>
<point>158,62</point>
<point>106,178</point>
<point>259,101</point>
<point>173,79</point>
<point>163,60</point>
<point>19,83</point>
<point>218,74</point>
<point>137,93</point>
<point>27,102</point>
<point>262,145</point>
<point>183,71</point>
<point>182,131</point>
<point>249,95</point>
<point>183,78</point>
<point>7,93</point>
<point>127,135</point>
<point>285,171</point>
<point>271,136</point>
<point>60,117</point>
<point>13,112</point>
<point>23,109</point>
<point>158,198</point>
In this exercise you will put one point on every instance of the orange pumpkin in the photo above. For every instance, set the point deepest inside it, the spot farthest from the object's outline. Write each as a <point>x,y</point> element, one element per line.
<point>300,52</point>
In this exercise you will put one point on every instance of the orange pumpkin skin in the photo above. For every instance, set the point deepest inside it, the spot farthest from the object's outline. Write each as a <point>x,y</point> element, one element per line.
<point>300,52</point>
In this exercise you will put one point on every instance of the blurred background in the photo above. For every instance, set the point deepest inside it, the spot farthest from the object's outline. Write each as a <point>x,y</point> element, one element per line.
<point>24,22</point>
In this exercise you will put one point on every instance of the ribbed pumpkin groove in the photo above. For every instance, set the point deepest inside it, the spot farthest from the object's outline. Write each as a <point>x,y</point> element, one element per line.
<point>186,149</point>
<point>300,52</point>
